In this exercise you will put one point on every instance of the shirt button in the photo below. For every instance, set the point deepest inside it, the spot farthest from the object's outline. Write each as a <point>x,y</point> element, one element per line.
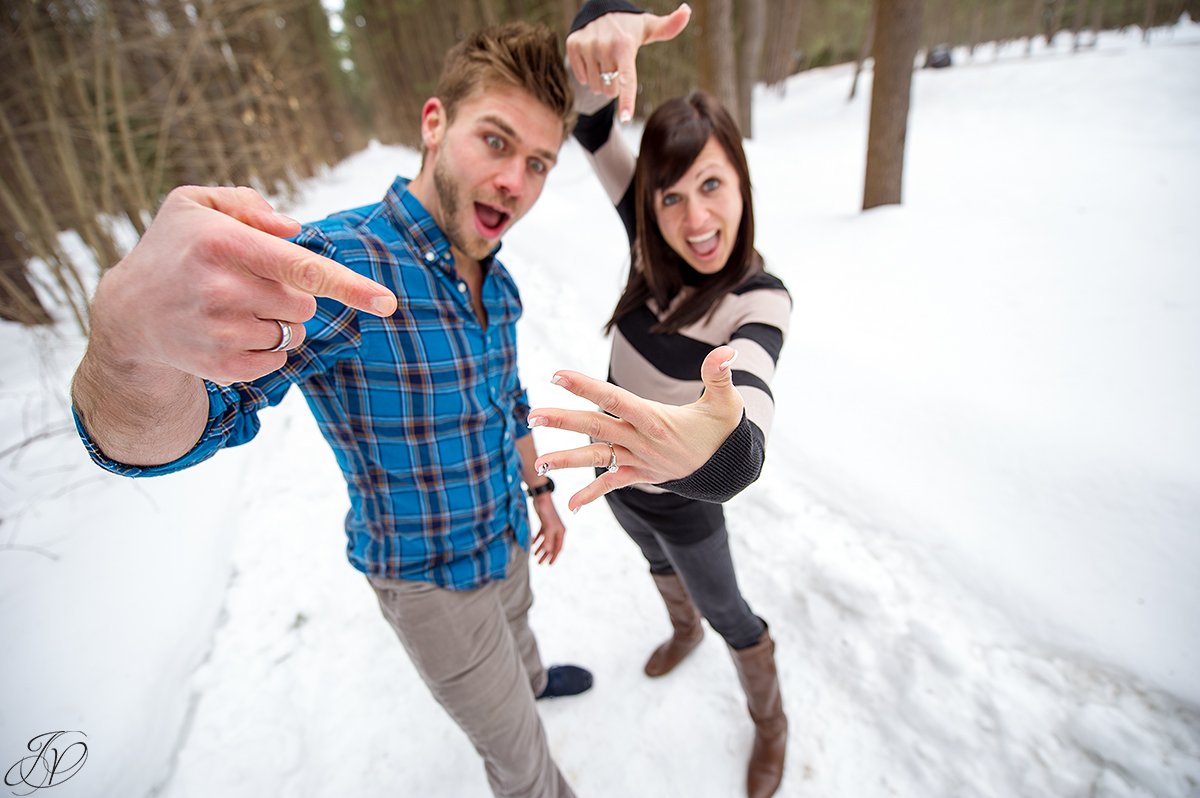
<point>510,479</point>
<point>462,287</point>
<point>430,256</point>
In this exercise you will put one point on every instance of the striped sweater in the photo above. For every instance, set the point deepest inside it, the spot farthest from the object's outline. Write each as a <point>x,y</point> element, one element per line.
<point>665,367</point>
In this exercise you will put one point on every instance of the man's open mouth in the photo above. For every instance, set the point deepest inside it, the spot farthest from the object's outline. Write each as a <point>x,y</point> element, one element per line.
<point>490,220</point>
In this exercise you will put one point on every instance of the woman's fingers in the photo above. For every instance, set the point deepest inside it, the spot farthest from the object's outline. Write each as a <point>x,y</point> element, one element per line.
<point>605,483</point>
<point>626,83</point>
<point>578,65</point>
<point>651,442</point>
<point>595,425</point>
<point>593,54</point>
<point>630,407</point>
<point>628,469</point>
<point>594,455</point>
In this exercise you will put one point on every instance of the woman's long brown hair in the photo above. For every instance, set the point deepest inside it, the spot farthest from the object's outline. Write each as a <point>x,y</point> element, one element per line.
<point>674,136</point>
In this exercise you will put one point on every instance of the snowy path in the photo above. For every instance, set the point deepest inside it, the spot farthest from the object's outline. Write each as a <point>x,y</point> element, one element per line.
<point>898,681</point>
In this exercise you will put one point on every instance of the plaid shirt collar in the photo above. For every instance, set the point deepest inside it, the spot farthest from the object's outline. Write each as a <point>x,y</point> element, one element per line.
<point>406,213</point>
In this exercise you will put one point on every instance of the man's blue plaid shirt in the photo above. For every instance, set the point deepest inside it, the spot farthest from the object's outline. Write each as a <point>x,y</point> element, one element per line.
<point>422,409</point>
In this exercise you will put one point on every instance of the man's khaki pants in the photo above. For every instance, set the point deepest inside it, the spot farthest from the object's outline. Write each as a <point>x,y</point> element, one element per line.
<point>476,652</point>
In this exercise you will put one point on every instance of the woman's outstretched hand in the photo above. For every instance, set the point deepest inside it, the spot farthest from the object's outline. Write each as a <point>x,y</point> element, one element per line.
<point>650,441</point>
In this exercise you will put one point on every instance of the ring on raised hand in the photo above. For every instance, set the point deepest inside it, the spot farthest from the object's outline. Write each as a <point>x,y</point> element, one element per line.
<point>607,78</point>
<point>612,459</point>
<point>285,331</point>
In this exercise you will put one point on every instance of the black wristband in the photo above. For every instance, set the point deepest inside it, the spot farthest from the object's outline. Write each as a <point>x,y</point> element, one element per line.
<point>545,487</point>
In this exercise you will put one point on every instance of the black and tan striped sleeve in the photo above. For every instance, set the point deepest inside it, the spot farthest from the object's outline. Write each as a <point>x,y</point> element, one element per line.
<point>611,157</point>
<point>758,313</point>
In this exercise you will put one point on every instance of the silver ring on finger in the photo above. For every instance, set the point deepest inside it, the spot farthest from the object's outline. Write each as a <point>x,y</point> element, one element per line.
<point>612,460</point>
<point>608,78</point>
<point>285,331</point>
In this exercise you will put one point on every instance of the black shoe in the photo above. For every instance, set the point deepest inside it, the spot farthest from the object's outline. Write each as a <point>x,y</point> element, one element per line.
<point>564,680</point>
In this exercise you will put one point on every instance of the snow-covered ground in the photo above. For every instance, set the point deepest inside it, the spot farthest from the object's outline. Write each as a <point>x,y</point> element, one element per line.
<point>977,538</point>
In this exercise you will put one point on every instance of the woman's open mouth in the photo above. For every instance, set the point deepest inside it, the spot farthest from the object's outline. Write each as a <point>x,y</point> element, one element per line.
<point>704,245</point>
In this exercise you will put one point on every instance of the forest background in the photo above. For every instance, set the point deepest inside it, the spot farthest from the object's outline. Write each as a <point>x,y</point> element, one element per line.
<point>105,106</point>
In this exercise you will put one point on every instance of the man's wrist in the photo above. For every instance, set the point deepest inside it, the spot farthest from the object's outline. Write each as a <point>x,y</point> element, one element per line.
<point>543,489</point>
<point>138,413</point>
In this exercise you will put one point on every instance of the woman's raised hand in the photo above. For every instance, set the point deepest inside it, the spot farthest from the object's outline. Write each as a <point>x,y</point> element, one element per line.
<point>609,44</point>
<point>646,440</point>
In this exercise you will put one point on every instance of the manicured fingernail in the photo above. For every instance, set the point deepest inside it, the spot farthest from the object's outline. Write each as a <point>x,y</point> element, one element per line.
<point>537,421</point>
<point>285,218</point>
<point>542,469</point>
<point>558,379</point>
<point>383,305</point>
<point>626,115</point>
<point>725,366</point>
<point>576,510</point>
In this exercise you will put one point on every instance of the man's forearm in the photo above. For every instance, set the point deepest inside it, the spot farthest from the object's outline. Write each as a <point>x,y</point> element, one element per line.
<point>528,452</point>
<point>136,414</point>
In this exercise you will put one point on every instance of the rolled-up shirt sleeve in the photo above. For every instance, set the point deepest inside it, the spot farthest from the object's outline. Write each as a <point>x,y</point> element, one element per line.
<point>232,420</point>
<point>330,335</point>
<point>520,411</point>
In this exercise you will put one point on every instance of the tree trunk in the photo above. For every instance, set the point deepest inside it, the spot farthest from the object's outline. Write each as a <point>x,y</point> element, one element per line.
<point>1097,21</point>
<point>867,43</point>
<point>1002,27</point>
<point>782,37</point>
<point>720,39</point>
<point>976,28</point>
<point>1035,15</point>
<point>706,67</point>
<point>897,32</point>
<point>754,28</point>
<point>1055,22</point>
<point>1077,24</point>
<point>569,9</point>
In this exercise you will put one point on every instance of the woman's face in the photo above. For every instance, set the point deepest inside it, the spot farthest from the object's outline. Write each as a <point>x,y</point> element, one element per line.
<point>699,216</point>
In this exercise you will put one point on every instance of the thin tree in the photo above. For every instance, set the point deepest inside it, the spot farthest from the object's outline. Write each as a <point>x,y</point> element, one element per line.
<point>1077,23</point>
<point>976,28</point>
<point>1097,21</point>
<point>754,28</point>
<point>18,301</point>
<point>720,39</point>
<point>782,38</point>
<point>868,41</point>
<point>1054,21</point>
<point>1036,9</point>
<point>897,33</point>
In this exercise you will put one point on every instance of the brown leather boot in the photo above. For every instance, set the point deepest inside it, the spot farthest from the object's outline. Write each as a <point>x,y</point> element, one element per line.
<point>756,671</point>
<point>685,619</point>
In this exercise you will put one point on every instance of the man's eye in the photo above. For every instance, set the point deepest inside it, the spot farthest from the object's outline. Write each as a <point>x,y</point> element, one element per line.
<point>538,167</point>
<point>494,141</point>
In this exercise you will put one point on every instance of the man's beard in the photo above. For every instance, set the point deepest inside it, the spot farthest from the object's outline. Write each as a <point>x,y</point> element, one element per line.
<point>473,246</point>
